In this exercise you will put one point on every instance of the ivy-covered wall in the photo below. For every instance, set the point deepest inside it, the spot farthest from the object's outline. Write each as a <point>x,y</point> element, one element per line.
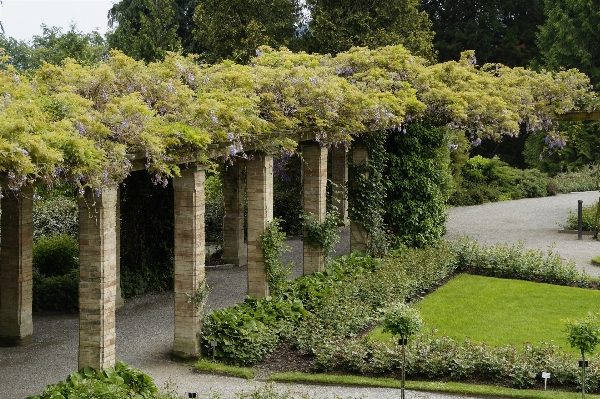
<point>419,182</point>
<point>400,194</point>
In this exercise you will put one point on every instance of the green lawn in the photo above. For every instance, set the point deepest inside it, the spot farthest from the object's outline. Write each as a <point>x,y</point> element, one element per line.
<point>499,311</point>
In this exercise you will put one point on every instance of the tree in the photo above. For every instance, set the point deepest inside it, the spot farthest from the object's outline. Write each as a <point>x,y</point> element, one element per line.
<point>53,46</point>
<point>570,36</point>
<point>235,29</point>
<point>499,32</point>
<point>338,25</point>
<point>147,29</point>
<point>584,334</point>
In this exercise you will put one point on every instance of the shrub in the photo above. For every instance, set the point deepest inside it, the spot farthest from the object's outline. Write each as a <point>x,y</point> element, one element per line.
<point>55,293</point>
<point>582,180</point>
<point>490,180</point>
<point>514,261</point>
<point>250,330</point>
<point>56,215</point>
<point>440,357</point>
<point>588,218</point>
<point>272,245</point>
<point>120,382</point>
<point>56,255</point>
<point>418,182</point>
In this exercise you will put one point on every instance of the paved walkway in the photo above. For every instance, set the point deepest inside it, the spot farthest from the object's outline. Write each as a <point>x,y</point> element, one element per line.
<point>145,324</point>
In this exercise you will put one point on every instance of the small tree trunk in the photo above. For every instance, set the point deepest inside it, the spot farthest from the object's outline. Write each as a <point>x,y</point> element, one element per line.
<point>403,367</point>
<point>583,375</point>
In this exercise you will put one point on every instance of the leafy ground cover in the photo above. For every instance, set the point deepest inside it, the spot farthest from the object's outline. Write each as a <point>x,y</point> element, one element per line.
<point>501,311</point>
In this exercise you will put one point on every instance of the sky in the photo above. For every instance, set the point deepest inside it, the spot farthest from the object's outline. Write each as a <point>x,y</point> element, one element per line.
<point>21,19</point>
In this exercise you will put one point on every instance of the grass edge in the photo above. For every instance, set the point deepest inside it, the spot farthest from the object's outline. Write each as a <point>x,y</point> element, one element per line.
<point>448,387</point>
<point>212,367</point>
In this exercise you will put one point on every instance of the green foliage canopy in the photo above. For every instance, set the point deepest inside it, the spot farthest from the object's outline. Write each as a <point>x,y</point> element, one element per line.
<point>80,123</point>
<point>584,333</point>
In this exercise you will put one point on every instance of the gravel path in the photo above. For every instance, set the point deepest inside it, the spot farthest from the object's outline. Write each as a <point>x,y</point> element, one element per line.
<point>145,323</point>
<point>533,221</point>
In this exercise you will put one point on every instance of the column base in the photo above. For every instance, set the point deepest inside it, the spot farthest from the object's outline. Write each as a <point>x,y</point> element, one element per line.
<point>16,341</point>
<point>180,355</point>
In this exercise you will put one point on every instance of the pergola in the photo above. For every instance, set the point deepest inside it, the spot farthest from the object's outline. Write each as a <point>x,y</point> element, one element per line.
<point>308,103</point>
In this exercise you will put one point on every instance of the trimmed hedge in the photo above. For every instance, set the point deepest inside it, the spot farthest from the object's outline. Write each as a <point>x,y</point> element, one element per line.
<point>56,255</point>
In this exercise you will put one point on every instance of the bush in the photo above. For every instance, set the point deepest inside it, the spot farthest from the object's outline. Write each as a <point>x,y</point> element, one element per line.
<point>56,255</point>
<point>55,293</point>
<point>120,382</point>
<point>588,218</point>
<point>440,357</point>
<point>250,330</point>
<point>53,216</point>
<point>490,180</point>
<point>582,180</point>
<point>514,261</point>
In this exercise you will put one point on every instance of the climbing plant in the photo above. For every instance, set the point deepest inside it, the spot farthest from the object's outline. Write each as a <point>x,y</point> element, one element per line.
<point>322,234</point>
<point>272,243</point>
<point>419,180</point>
<point>367,191</point>
<point>83,123</point>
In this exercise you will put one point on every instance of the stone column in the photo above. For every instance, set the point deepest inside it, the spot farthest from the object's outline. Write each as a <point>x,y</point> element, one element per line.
<point>259,180</point>
<point>189,203</point>
<point>233,222</point>
<point>16,280</point>
<point>359,237</point>
<point>97,278</point>
<point>339,178</point>
<point>314,199</point>
<point>120,300</point>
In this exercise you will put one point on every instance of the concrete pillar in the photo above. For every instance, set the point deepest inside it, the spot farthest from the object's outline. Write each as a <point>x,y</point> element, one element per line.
<point>97,278</point>
<point>259,180</point>
<point>16,280</point>
<point>359,237</point>
<point>233,223</point>
<point>189,203</point>
<point>339,178</point>
<point>314,199</point>
<point>120,300</point>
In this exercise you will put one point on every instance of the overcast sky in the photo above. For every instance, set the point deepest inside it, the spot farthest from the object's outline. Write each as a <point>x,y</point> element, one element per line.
<point>22,18</point>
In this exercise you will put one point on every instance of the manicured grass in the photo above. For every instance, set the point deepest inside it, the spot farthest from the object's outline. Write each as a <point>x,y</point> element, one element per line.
<point>500,311</point>
<point>208,366</point>
<point>450,387</point>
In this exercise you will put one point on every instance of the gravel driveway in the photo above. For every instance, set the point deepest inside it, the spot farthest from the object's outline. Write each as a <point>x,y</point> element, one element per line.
<point>145,323</point>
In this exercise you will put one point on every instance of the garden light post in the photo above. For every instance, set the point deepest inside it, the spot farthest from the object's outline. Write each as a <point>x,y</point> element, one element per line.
<point>579,219</point>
